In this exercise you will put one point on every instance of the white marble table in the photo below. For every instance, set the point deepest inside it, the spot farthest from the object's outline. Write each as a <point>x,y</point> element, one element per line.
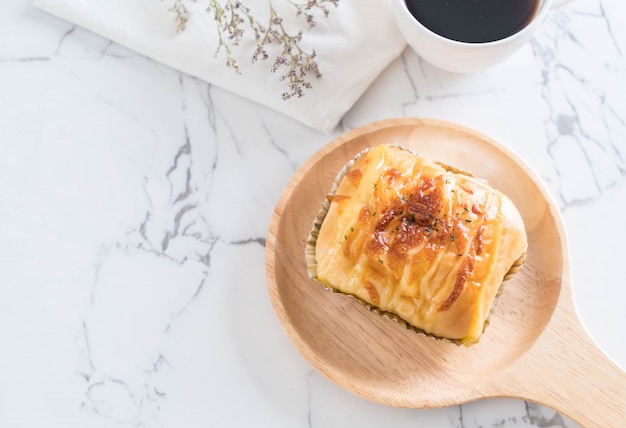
<point>136,200</point>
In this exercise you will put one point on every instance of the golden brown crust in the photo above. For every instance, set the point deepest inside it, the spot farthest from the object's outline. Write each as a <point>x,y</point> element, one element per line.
<point>412,238</point>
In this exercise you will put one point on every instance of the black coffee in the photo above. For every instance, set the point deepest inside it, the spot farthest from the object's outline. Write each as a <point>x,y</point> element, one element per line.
<point>473,21</point>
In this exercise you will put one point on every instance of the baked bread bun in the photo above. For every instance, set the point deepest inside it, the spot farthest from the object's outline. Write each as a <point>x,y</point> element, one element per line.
<point>418,241</point>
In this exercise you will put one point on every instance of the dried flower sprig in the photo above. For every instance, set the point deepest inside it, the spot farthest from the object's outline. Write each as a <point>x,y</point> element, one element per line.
<point>231,15</point>
<point>306,9</point>
<point>181,13</point>
<point>228,19</point>
<point>298,62</point>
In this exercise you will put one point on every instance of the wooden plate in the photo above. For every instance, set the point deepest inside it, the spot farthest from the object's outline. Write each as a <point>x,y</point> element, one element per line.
<point>526,351</point>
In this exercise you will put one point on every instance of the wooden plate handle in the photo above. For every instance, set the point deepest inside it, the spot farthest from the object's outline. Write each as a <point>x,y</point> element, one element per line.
<point>566,371</point>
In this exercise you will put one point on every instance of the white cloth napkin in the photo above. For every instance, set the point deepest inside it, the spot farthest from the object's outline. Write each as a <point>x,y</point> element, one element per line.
<point>354,44</point>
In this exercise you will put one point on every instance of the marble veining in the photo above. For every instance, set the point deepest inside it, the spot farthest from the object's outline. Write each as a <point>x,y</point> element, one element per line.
<point>137,201</point>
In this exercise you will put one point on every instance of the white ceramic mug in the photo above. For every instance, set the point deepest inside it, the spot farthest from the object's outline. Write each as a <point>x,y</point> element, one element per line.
<point>464,57</point>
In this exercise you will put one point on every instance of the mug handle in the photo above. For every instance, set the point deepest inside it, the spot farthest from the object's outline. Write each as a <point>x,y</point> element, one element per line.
<point>557,3</point>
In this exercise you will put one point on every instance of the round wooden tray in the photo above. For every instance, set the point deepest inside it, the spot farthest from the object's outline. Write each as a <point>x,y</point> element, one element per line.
<point>522,352</point>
